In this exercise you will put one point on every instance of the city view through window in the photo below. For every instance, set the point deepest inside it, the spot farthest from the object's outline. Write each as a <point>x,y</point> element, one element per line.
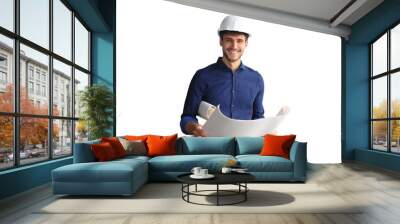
<point>385,87</point>
<point>32,131</point>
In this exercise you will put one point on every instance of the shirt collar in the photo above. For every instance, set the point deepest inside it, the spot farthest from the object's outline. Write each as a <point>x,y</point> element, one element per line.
<point>221,64</point>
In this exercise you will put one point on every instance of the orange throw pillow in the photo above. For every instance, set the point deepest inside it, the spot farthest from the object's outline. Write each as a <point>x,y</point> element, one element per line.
<point>161,145</point>
<point>275,145</point>
<point>135,138</point>
<point>103,152</point>
<point>116,145</point>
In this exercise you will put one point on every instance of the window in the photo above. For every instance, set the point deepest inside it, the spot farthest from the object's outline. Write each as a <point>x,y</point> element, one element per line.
<point>37,75</point>
<point>385,92</point>
<point>37,89</point>
<point>6,74</point>
<point>62,30</point>
<point>62,137</point>
<point>6,142</point>
<point>81,45</point>
<point>44,132</point>
<point>43,90</point>
<point>7,14</point>
<point>62,75</point>
<point>395,47</point>
<point>30,87</point>
<point>3,72</point>
<point>81,81</point>
<point>3,61</point>
<point>3,78</point>
<point>34,21</point>
<point>30,72</point>
<point>43,77</point>
<point>33,148</point>
<point>379,55</point>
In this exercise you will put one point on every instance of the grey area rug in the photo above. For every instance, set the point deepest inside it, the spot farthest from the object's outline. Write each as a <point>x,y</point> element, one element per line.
<point>166,198</point>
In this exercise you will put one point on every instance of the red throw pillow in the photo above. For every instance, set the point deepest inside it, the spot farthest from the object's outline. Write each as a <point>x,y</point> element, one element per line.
<point>161,145</point>
<point>116,145</point>
<point>275,145</point>
<point>103,151</point>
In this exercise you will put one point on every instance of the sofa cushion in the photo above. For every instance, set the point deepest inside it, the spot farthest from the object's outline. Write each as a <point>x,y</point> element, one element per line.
<point>116,145</point>
<point>207,145</point>
<point>83,152</point>
<point>103,152</point>
<point>134,147</point>
<point>185,163</point>
<point>249,145</point>
<point>111,171</point>
<point>161,145</point>
<point>133,157</point>
<point>257,163</point>
<point>275,145</point>
<point>136,137</point>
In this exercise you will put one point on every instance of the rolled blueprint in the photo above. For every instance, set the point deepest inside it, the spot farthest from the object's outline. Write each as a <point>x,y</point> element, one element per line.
<point>205,110</point>
<point>220,125</point>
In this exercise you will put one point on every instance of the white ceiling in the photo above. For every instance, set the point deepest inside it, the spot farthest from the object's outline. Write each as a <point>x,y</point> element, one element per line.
<point>321,9</point>
<point>316,15</point>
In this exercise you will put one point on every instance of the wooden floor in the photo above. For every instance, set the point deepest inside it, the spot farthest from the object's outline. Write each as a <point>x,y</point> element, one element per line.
<point>353,182</point>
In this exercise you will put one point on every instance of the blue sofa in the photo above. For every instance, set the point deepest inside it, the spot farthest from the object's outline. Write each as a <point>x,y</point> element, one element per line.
<point>125,176</point>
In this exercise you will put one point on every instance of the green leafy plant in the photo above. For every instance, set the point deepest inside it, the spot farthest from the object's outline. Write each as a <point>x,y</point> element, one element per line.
<point>97,106</point>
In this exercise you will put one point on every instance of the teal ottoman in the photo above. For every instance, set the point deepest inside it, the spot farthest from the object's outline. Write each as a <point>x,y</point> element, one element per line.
<point>118,177</point>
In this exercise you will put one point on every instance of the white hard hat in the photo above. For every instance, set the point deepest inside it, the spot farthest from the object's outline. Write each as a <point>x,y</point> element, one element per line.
<point>233,23</point>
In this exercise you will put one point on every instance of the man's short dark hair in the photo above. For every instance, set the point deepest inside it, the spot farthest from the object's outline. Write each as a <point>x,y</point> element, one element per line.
<point>222,33</point>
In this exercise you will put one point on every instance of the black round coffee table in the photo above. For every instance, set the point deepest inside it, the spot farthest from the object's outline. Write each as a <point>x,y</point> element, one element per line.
<point>238,179</point>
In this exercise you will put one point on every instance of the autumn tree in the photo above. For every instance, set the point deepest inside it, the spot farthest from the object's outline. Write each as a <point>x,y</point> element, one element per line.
<point>33,131</point>
<point>380,127</point>
<point>6,122</point>
<point>81,129</point>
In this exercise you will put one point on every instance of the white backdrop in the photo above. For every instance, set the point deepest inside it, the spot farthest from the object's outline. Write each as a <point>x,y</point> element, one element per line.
<point>161,44</point>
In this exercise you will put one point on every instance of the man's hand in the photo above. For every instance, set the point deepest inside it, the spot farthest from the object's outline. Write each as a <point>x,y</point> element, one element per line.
<point>195,129</point>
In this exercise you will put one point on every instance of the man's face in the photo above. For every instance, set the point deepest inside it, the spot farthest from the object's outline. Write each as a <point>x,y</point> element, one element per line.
<point>233,46</point>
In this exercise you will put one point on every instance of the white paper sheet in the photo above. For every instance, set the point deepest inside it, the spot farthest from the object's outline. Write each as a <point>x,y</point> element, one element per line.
<point>206,110</point>
<point>220,125</point>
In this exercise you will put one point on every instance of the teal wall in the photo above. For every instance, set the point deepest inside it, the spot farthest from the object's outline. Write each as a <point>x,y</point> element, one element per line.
<point>103,64</point>
<point>103,52</point>
<point>357,99</point>
<point>99,15</point>
<point>24,178</point>
<point>356,73</point>
<point>102,58</point>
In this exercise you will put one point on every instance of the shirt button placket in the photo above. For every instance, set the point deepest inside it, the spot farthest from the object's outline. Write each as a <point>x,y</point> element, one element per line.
<point>233,91</point>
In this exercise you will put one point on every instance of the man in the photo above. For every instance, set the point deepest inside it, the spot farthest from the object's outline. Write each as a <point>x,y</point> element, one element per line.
<point>237,88</point>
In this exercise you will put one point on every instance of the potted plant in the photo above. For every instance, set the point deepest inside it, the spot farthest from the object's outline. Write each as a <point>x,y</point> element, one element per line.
<point>97,106</point>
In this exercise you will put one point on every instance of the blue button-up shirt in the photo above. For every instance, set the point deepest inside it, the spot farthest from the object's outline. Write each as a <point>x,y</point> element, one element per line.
<point>239,93</point>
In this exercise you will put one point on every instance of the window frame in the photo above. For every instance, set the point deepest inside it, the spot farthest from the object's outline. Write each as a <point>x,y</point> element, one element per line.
<point>388,74</point>
<point>15,71</point>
